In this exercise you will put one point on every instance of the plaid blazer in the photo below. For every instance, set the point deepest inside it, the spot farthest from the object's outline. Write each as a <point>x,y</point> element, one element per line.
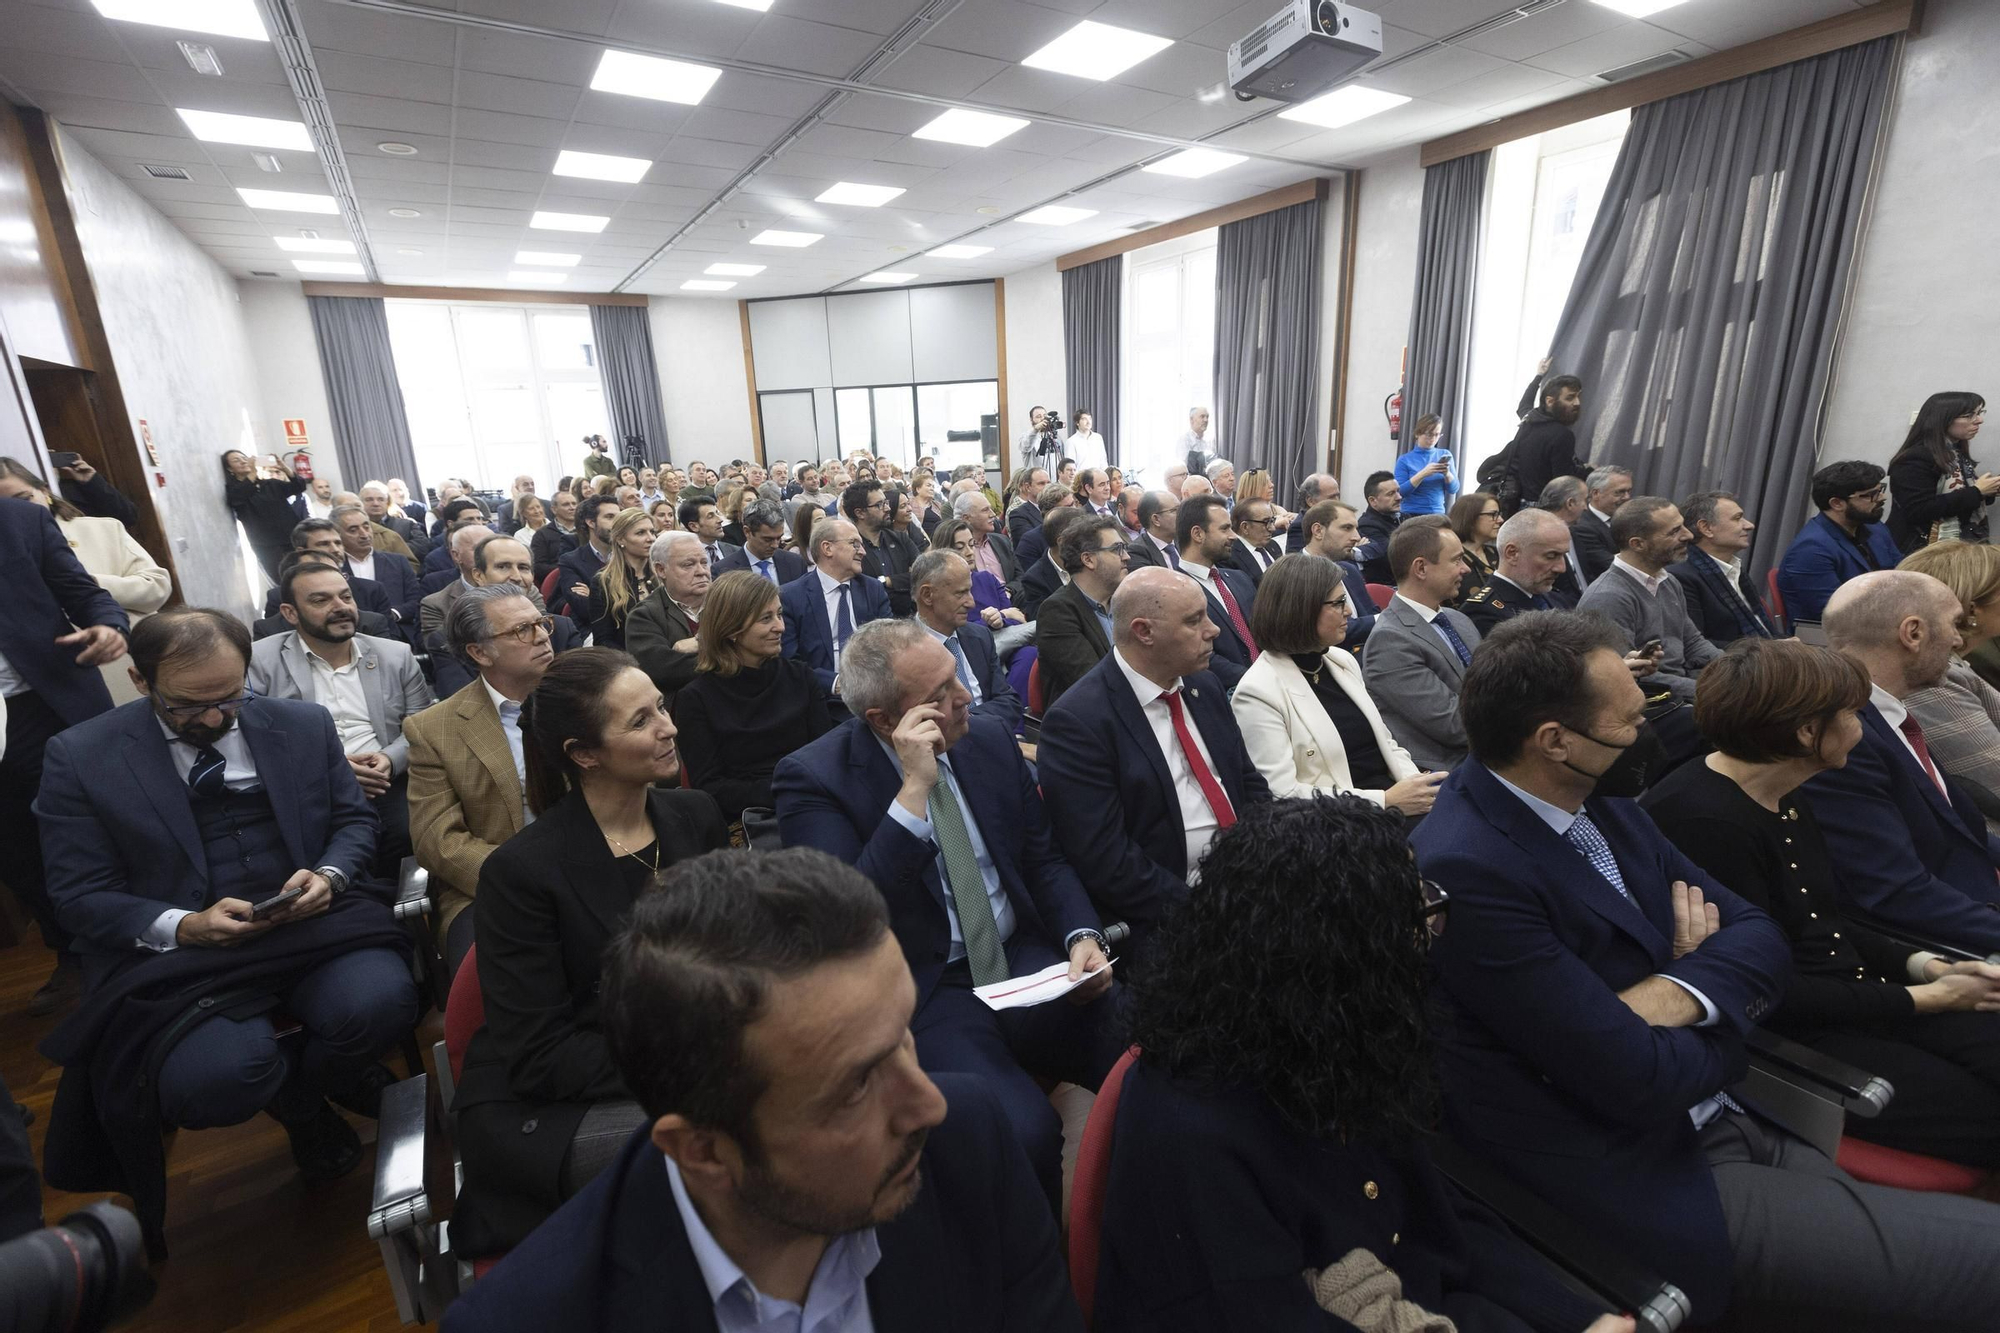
<point>465,798</point>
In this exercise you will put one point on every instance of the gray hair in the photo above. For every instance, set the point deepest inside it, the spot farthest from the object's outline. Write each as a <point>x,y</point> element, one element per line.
<point>930,566</point>
<point>339,513</point>
<point>1700,508</point>
<point>1526,526</point>
<point>661,552</point>
<point>766,513</point>
<point>466,623</point>
<point>964,502</point>
<point>868,664</point>
<point>1559,492</point>
<point>1218,467</point>
<point>1600,477</point>
<point>368,486</point>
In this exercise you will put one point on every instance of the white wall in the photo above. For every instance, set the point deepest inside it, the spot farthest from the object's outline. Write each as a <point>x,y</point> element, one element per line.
<point>1922,317</point>
<point>698,348</point>
<point>1385,275</point>
<point>183,359</point>
<point>1035,366</point>
<point>286,355</point>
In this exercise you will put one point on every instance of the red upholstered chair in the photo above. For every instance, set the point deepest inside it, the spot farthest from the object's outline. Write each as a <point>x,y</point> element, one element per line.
<point>464,1012</point>
<point>1877,1165</point>
<point>1036,701</point>
<point>549,584</point>
<point>1774,601</point>
<point>1086,1193</point>
<point>1380,593</point>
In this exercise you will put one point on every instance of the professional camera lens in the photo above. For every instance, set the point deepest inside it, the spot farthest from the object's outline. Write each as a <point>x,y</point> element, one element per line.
<point>79,1276</point>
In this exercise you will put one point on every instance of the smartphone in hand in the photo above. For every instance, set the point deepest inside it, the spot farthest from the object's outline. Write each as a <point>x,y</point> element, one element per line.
<point>262,911</point>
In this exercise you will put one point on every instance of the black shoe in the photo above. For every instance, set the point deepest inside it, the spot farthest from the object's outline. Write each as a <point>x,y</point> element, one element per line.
<point>325,1146</point>
<point>59,991</point>
<point>365,1097</point>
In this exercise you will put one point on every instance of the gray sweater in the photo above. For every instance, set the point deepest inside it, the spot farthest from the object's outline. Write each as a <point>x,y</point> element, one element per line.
<point>1621,598</point>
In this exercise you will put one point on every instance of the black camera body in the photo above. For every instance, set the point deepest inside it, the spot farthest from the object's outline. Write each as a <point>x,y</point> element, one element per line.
<point>80,1277</point>
<point>1052,421</point>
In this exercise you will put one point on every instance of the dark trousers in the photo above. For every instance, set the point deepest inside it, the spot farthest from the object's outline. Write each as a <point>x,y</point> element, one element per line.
<point>392,838</point>
<point>353,1008</point>
<point>30,726</point>
<point>458,939</point>
<point>957,1034</point>
<point>1946,1072</point>
<point>1817,1250</point>
<point>20,1186</point>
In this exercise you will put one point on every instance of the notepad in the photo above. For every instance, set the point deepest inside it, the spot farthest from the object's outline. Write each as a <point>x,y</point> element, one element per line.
<point>1051,983</point>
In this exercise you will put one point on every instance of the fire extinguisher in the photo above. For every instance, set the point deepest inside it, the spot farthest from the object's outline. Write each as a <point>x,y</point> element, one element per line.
<point>1393,407</point>
<point>302,465</point>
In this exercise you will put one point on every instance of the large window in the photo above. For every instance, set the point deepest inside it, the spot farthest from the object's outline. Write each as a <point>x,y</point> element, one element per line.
<point>493,391</point>
<point>1169,353</point>
<point>902,421</point>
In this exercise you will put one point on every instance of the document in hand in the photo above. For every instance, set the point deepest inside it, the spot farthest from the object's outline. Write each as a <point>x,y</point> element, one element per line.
<point>1051,983</point>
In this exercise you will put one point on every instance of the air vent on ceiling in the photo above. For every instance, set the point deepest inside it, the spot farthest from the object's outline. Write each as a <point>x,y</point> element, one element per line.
<point>167,173</point>
<point>262,273</point>
<point>1638,67</point>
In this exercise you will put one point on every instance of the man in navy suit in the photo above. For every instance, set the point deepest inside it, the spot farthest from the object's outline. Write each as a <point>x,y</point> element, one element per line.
<point>1314,490</point>
<point>941,583</point>
<point>1204,535</point>
<point>830,601</point>
<point>940,810</point>
<point>1845,540</point>
<point>1141,760</point>
<point>797,1155</point>
<point>452,516</point>
<point>594,518</point>
<point>360,560</point>
<point>1596,990</point>
<point>58,626</point>
<point>167,821</point>
<point>763,532</point>
<point>1908,843</point>
<point>1332,529</point>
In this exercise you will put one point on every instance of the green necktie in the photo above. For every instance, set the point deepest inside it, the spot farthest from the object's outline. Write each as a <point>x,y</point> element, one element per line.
<point>967,887</point>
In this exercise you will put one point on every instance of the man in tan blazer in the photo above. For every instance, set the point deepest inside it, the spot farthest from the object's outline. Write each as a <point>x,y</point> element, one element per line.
<point>467,786</point>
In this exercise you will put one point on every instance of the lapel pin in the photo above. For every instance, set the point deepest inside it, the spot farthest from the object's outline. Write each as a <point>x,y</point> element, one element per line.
<point>1193,693</point>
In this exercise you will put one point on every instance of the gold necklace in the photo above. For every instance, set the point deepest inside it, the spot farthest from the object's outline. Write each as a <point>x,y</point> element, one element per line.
<point>622,851</point>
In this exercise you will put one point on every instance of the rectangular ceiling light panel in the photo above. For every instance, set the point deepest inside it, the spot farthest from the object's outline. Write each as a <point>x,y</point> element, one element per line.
<point>734,270</point>
<point>568,222</point>
<point>602,166</point>
<point>653,77</point>
<point>1639,9</point>
<point>793,239</point>
<point>224,18</point>
<point>858,196</point>
<point>974,129</point>
<point>1097,51</point>
<point>252,131</point>
<point>1343,106</point>
<point>1194,163</point>
<point>289,201</point>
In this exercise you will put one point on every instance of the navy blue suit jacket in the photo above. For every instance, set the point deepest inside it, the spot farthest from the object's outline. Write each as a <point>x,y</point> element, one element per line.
<point>1546,1071</point>
<point>50,594</point>
<point>578,566</point>
<point>1111,799</point>
<point>1360,606</point>
<point>808,637</point>
<point>399,583</point>
<point>835,794</point>
<point>975,1252</point>
<point>1902,851</point>
<point>997,699</point>
<point>787,565</point>
<point>1032,546</point>
<point>439,558</point>
<point>1822,557</point>
<point>1231,655</point>
<point>118,829</point>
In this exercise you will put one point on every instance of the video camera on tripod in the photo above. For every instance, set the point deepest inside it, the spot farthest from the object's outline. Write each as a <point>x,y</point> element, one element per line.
<point>1049,443</point>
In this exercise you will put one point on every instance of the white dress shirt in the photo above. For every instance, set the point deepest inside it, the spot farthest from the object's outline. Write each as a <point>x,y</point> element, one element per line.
<point>11,683</point>
<point>1198,824</point>
<point>510,724</point>
<point>1087,448</point>
<point>363,568</point>
<point>967,677</point>
<point>830,590</point>
<point>1650,582</point>
<point>338,690</point>
<point>239,773</point>
<point>1732,570</point>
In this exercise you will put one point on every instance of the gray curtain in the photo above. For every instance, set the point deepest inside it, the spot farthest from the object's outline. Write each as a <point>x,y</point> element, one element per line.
<point>1440,340</point>
<point>631,381</point>
<point>371,434</point>
<point>1092,295</point>
<point>1708,300</point>
<point>1267,342</point>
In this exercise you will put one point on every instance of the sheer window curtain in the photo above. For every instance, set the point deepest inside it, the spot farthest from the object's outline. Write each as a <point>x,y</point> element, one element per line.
<point>1093,297</point>
<point>1267,295</point>
<point>1440,338</point>
<point>371,432</point>
<point>625,364</point>
<point>1707,307</point>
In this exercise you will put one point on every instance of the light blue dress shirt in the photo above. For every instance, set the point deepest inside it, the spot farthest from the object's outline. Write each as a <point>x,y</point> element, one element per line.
<point>1003,909</point>
<point>836,1298</point>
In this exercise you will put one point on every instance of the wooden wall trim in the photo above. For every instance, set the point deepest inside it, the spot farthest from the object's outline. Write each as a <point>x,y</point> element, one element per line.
<point>1350,223</point>
<point>1815,39</point>
<point>1000,366</point>
<point>750,380</point>
<point>1269,202</point>
<point>496,295</point>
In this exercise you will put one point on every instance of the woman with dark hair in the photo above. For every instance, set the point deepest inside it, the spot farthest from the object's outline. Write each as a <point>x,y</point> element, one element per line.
<point>1777,712</point>
<point>625,581</point>
<point>991,601</point>
<point>924,496</point>
<point>262,504</point>
<point>540,1105</point>
<point>1272,1125</point>
<point>1936,491</point>
<point>628,476</point>
<point>1476,520</point>
<point>748,706</point>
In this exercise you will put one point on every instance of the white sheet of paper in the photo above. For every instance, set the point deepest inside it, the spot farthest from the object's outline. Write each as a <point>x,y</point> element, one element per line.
<point>1051,983</point>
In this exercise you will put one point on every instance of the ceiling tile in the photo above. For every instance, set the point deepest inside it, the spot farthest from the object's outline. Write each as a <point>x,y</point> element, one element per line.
<point>695,28</point>
<point>1547,30</point>
<point>1005,30</point>
<point>1724,25</point>
<point>936,72</point>
<point>392,114</point>
<point>1422,75</point>
<point>1503,84</point>
<point>334,27</point>
<point>1438,18</point>
<point>1115,104</point>
<point>521,97</point>
<point>588,16</point>
<point>1612,48</point>
<point>376,76</point>
<point>527,57</point>
<point>817,48</point>
<point>499,127</point>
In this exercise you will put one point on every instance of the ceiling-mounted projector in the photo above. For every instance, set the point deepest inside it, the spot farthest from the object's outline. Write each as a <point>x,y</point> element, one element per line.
<point>1303,50</point>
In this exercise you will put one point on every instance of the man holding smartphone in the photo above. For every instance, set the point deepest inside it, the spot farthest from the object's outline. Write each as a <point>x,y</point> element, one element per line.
<point>1637,595</point>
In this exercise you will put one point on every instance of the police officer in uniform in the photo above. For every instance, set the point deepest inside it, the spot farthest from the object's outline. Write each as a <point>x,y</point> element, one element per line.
<point>1534,553</point>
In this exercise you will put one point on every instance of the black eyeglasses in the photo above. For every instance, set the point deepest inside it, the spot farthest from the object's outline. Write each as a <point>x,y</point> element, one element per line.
<point>188,712</point>
<point>1436,904</point>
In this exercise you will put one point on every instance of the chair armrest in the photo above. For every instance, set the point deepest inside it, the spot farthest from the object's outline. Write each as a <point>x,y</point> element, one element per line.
<point>1865,1094</point>
<point>1620,1281</point>
<point>400,1200</point>
<point>1916,940</point>
<point>413,890</point>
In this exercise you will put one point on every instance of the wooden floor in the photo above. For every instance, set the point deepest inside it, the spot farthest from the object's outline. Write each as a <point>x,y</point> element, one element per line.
<point>253,1246</point>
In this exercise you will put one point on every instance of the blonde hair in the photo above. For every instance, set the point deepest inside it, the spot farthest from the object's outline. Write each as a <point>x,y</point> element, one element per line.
<point>730,502</point>
<point>621,591</point>
<point>733,604</point>
<point>522,504</point>
<point>603,485</point>
<point>1255,485</point>
<point>1970,569</point>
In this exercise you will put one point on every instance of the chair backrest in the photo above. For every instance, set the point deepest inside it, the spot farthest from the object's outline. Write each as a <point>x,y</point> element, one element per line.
<point>1776,600</point>
<point>1380,593</point>
<point>549,584</point>
<point>1086,1192</point>
<point>464,1011</point>
<point>1035,699</point>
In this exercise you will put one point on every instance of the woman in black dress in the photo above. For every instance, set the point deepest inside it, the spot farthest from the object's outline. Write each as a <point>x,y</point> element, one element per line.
<point>1936,491</point>
<point>263,505</point>
<point>1777,712</point>
<point>749,706</point>
<point>625,581</point>
<point>540,1106</point>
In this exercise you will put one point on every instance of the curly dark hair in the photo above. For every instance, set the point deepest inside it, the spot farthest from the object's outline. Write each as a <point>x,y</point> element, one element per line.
<point>1297,968</point>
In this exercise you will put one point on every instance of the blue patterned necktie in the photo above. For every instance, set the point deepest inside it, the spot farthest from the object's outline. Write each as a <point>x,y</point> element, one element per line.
<point>205,778</point>
<point>1583,835</point>
<point>1444,627</point>
<point>1173,557</point>
<point>843,624</point>
<point>764,568</point>
<point>964,667</point>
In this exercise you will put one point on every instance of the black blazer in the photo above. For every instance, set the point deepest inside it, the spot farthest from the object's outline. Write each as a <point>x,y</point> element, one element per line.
<point>1711,609</point>
<point>368,596</point>
<point>1022,519</point>
<point>550,900</point>
<point>1231,655</point>
<point>48,593</point>
<point>579,566</point>
<point>1243,560</point>
<point>1040,581</point>
<point>1373,552</point>
<point>975,1252</point>
<point>787,565</point>
<point>1591,538</point>
<point>1069,641</point>
<point>548,548</point>
<point>997,699</point>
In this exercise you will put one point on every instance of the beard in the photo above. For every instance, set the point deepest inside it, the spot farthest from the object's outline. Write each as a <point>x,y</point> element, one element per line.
<point>1568,415</point>
<point>194,733</point>
<point>777,1202</point>
<point>337,627</point>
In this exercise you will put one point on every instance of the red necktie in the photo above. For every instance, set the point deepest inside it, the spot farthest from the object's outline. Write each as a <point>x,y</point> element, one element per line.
<point>1235,614</point>
<point>1218,799</point>
<point>1914,734</point>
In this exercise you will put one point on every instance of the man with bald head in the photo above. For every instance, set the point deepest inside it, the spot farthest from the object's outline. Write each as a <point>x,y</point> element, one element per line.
<point>1534,550</point>
<point>824,606</point>
<point>1141,760</point>
<point>1908,843</point>
<point>1319,487</point>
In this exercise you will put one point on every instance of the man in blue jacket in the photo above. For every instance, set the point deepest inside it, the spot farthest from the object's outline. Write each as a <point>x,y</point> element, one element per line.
<point>58,626</point>
<point>825,605</point>
<point>1844,540</point>
<point>800,1169</point>
<point>1597,987</point>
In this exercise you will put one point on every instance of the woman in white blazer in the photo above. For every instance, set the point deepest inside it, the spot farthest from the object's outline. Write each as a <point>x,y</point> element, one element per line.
<point>1305,714</point>
<point>119,564</point>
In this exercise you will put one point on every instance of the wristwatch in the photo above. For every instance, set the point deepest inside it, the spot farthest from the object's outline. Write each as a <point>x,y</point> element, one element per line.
<point>335,876</point>
<point>1103,945</point>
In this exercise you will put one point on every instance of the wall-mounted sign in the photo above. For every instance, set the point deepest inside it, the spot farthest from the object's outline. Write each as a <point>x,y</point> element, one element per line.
<point>152,450</point>
<point>295,433</point>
